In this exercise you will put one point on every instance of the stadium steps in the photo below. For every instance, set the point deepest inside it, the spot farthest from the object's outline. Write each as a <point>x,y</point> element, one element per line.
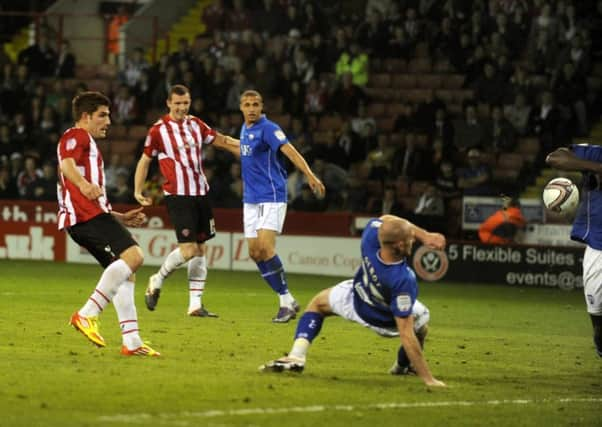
<point>188,27</point>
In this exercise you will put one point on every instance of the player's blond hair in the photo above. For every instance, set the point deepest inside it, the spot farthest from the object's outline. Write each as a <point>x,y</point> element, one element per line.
<point>252,93</point>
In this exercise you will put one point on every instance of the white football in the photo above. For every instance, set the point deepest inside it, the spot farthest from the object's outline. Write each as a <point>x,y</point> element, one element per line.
<point>561,196</point>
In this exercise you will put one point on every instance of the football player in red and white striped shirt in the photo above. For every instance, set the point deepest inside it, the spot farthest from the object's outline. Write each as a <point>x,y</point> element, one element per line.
<point>85,213</point>
<point>177,139</point>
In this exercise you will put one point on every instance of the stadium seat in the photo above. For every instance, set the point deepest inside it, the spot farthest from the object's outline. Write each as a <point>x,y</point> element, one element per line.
<point>283,120</point>
<point>409,202</point>
<point>505,175</point>
<point>404,81</point>
<point>510,161</point>
<point>397,139</point>
<point>395,109</point>
<point>385,124</point>
<point>442,66</point>
<point>273,105</point>
<point>330,122</point>
<point>418,187</point>
<point>380,80</point>
<point>453,81</point>
<point>137,133</point>
<point>528,146</point>
<point>402,188</point>
<point>395,65</point>
<point>420,65</point>
<point>321,137</point>
<point>118,131</point>
<point>445,95</point>
<point>124,147</point>
<point>376,109</point>
<point>379,94</point>
<point>429,81</point>
<point>418,96</point>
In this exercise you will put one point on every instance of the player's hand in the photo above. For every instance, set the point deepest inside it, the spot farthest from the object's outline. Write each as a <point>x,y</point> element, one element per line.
<point>143,200</point>
<point>317,187</point>
<point>434,240</point>
<point>134,217</point>
<point>435,383</point>
<point>91,191</point>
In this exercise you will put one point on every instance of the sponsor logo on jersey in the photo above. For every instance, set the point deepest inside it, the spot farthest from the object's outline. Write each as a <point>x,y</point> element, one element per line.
<point>430,264</point>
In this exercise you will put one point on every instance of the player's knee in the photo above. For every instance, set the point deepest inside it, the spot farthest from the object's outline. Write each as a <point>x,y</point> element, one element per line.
<point>258,254</point>
<point>191,250</point>
<point>320,303</point>
<point>134,257</point>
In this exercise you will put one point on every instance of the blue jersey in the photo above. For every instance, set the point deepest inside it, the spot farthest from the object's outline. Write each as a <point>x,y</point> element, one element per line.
<point>587,225</point>
<point>262,164</point>
<point>382,291</point>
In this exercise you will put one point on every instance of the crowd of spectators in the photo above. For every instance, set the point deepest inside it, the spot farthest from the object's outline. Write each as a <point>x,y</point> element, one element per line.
<point>526,62</point>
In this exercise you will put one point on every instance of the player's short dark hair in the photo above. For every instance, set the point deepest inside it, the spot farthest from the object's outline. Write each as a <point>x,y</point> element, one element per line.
<point>88,102</point>
<point>250,92</point>
<point>179,90</point>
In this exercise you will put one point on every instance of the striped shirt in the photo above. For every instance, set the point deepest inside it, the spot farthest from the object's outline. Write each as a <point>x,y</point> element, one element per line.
<point>178,146</point>
<point>74,207</point>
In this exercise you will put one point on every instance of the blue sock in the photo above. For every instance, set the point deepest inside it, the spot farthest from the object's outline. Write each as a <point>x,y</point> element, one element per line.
<point>272,272</point>
<point>402,358</point>
<point>309,325</point>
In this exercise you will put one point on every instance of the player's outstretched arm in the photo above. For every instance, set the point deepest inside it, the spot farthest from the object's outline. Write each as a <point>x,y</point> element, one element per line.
<point>427,238</point>
<point>299,161</point>
<point>564,159</point>
<point>70,171</point>
<point>139,179</point>
<point>414,352</point>
<point>227,143</point>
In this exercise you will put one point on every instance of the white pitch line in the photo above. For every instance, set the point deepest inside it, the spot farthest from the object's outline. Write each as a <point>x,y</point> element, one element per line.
<point>172,418</point>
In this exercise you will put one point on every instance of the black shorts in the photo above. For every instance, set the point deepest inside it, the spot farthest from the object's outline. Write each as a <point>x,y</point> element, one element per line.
<point>192,218</point>
<point>104,237</point>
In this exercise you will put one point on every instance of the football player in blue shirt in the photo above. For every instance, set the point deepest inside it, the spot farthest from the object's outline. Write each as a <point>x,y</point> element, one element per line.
<point>587,225</point>
<point>263,146</point>
<point>381,296</point>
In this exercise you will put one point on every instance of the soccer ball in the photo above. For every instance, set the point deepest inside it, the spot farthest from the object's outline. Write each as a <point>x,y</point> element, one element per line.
<point>561,196</point>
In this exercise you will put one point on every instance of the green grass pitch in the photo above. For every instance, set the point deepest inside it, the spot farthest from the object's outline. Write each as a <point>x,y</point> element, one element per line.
<point>511,356</point>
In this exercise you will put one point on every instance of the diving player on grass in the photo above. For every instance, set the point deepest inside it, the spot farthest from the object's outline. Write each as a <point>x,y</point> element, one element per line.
<point>382,297</point>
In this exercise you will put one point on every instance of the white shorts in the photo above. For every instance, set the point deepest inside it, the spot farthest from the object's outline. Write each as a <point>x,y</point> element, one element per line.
<point>341,303</point>
<point>592,280</point>
<point>263,216</point>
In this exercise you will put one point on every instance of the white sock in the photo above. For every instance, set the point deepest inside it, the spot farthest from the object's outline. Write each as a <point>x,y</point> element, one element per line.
<point>300,347</point>
<point>126,313</point>
<point>197,275</point>
<point>112,277</point>
<point>171,263</point>
<point>286,300</point>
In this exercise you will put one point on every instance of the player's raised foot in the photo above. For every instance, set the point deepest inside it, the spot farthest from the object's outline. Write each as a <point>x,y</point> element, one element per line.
<point>202,312</point>
<point>284,315</point>
<point>288,363</point>
<point>152,294</point>
<point>396,369</point>
<point>143,350</point>
<point>89,327</point>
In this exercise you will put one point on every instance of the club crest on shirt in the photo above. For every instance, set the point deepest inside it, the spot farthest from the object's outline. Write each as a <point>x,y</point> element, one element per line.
<point>280,135</point>
<point>71,143</point>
